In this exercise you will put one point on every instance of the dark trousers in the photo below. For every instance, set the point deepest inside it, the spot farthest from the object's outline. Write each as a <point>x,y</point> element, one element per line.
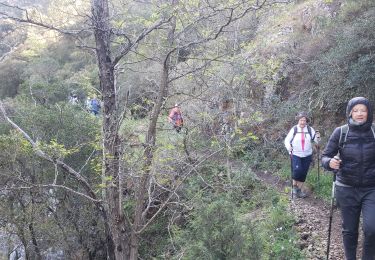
<point>301,167</point>
<point>352,202</point>
<point>178,128</point>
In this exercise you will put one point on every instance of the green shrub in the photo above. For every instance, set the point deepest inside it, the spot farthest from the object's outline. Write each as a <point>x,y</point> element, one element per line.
<point>278,234</point>
<point>215,232</point>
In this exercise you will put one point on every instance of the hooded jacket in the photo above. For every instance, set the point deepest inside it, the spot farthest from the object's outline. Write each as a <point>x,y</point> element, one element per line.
<point>358,152</point>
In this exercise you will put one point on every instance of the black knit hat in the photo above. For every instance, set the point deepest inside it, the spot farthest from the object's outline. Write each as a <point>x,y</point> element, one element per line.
<point>302,114</point>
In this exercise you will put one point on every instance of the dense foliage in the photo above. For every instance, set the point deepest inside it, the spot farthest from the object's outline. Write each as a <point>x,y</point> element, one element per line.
<point>238,91</point>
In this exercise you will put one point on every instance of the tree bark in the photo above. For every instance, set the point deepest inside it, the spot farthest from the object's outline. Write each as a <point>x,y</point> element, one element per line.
<point>37,255</point>
<point>111,142</point>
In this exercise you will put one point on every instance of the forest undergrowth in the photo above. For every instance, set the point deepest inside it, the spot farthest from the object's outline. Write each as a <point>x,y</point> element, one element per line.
<point>311,214</point>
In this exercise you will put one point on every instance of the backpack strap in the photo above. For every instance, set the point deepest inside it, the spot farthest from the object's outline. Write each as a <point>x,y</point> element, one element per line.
<point>310,133</point>
<point>344,129</point>
<point>294,134</point>
<point>308,130</point>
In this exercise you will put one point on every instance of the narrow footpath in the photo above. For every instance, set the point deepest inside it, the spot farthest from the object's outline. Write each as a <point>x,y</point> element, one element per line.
<point>312,219</point>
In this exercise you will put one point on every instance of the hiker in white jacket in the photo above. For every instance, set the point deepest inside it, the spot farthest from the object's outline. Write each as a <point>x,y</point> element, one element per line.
<point>299,143</point>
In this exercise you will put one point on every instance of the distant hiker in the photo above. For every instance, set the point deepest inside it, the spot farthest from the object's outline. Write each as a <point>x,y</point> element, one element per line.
<point>95,106</point>
<point>88,104</point>
<point>73,99</point>
<point>354,146</point>
<point>298,142</point>
<point>175,118</point>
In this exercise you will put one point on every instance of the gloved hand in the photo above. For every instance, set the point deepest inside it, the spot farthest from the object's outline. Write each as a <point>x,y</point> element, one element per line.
<point>317,135</point>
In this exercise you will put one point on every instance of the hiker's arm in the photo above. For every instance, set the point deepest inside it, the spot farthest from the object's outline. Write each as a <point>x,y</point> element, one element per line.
<point>170,116</point>
<point>331,149</point>
<point>287,140</point>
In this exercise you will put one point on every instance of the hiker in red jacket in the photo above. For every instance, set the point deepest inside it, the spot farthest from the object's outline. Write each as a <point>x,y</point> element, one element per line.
<point>175,118</point>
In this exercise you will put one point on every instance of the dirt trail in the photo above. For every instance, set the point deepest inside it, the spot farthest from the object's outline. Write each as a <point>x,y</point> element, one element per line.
<point>312,215</point>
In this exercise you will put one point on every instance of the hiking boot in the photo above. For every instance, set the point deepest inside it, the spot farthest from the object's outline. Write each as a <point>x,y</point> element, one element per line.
<point>295,191</point>
<point>301,194</point>
<point>298,193</point>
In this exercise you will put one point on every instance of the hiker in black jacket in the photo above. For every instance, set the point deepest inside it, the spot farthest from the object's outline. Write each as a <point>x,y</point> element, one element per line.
<point>354,165</point>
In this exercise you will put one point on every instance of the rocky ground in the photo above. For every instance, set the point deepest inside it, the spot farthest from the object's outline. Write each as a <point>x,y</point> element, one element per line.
<point>312,220</point>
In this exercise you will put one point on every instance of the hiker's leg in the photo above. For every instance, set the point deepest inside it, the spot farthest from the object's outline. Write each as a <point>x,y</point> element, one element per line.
<point>300,169</point>
<point>305,163</point>
<point>368,213</point>
<point>298,176</point>
<point>350,206</point>
<point>296,166</point>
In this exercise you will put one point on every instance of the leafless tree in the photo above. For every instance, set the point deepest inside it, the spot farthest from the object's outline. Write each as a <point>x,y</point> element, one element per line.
<point>111,46</point>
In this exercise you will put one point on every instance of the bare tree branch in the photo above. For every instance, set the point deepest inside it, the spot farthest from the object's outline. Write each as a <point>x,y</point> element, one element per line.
<point>175,189</point>
<point>32,21</point>
<point>131,44</point>
<point>43,155</point>
<point>51,186</point>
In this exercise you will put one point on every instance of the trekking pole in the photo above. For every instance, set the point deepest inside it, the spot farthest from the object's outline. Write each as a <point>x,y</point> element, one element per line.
<point>318,168</point>
<point>331,213</point>
<point>291,174</point>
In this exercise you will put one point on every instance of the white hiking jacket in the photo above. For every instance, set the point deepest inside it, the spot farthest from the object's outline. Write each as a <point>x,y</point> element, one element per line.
<point>297,148</point>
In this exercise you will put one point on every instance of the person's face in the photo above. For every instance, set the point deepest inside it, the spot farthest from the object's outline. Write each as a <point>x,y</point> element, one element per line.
<point>302,122</point>
<point>359,113</point>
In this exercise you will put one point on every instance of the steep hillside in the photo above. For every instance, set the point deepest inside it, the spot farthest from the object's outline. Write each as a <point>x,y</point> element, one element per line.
<point>312,56</point>
<point>124,178</point>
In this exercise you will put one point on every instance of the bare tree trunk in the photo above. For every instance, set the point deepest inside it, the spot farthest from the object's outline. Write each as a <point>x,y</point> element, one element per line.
<point>21,236</point>
<point>111,141</point>
<point>142,187</point>
<point>143,183</point>
<point>37,255</point>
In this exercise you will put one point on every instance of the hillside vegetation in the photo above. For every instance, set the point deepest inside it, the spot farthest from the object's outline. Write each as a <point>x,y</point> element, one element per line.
<point>124,184</point>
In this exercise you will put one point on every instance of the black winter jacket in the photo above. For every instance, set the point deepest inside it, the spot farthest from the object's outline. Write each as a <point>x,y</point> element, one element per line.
<point>358,153</point>
<point>358,157</point>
